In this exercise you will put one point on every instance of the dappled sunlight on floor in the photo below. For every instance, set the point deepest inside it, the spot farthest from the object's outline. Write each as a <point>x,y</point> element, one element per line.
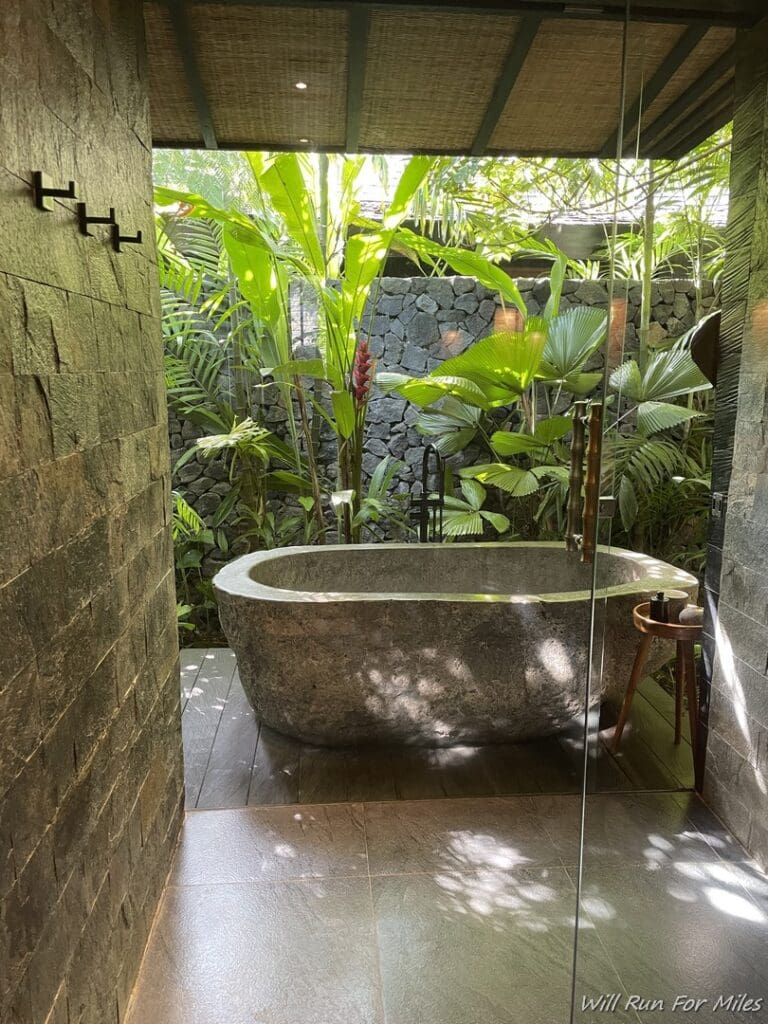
<point>507,900</point>
<point>435,911</point>
<point>231,760</point>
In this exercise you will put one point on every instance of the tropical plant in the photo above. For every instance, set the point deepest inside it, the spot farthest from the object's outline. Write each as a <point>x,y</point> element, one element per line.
<point>379,506</point>
<point>495,204</point>
<point>644,462</point>
<point>510,393</point>
<point>191,539</point>
<point>225,326</point>
<point>304,239</point>
<point>466,517</point>
<point>228,272</point>
<point>507,393</point>
<point>255,457</point>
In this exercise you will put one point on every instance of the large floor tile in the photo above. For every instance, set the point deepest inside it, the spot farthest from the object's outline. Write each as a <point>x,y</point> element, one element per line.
<point>634,828</point>
<point>259,843</point>
<point>691,928</point>
<point>717,836</point>
<point>263,953</point>
<point>486,947</point>
<point>450,835</point>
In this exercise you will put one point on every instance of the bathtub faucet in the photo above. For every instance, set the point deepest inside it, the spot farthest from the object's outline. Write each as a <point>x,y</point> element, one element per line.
<point>582,519</point>
<point>428,512</point>
<point>574,529</point>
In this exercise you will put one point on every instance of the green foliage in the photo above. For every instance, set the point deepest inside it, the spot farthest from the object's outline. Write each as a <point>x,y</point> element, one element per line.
<point>226,270</point>
<point>501,394</point>
<point>191,539</point>
<point>460,261</point>
<point>488,394</point>
<point>492,373</point>
<point>297,236</point>
<point>466,517</point>
<point>572,338</point>
<point>452,427</point>
<point>663,488</point>
<point>507,442</point>
<point>379,506</point>
<point>491,204</point>
<point>668,374</point>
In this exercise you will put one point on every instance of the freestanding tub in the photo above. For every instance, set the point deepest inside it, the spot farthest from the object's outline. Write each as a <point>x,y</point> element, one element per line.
<point>431,644</point>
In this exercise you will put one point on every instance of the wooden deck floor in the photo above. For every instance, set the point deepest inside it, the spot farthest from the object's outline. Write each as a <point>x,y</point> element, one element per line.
<point>231,760</point>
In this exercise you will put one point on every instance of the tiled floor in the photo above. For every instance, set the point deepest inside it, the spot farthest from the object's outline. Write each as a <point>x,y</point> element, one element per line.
<point>453,911</point>
<point>230,761</point>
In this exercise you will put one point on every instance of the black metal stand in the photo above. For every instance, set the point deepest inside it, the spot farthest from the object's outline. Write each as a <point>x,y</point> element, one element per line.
<point>427,511</point>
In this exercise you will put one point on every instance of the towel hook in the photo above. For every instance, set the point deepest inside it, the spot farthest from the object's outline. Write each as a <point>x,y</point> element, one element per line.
<point>44,192</point>
<point>84,220</point>
<point>118,239</point>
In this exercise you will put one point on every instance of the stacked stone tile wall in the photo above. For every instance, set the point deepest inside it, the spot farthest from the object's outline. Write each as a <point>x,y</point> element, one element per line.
<point>90,756</point>
<point>413,325</point>
<point>736,593</point>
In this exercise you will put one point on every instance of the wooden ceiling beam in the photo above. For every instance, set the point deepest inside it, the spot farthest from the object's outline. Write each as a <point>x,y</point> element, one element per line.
<point>710,15</point>
<point>704,131</point>
<point>687,100</point>
<point>357,54</point>
<point>679,53</point>
<point>179,14</point>
<point>713,113</point>
<point>513,64</point>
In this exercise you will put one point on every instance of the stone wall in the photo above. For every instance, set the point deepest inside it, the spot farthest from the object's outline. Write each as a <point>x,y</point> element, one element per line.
<point>413,325</point>
<point>736,779</point>
<point>90,758</point>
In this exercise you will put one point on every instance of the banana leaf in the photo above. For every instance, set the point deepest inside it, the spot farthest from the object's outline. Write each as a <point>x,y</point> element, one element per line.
<point>462,261</point>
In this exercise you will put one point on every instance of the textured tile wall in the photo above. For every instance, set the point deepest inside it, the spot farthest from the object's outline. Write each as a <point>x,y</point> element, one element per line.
<point>736,780</point>
<point>90,758</point>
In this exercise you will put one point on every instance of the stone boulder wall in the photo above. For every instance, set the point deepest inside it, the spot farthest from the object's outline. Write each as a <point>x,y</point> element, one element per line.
<point>413,325</point>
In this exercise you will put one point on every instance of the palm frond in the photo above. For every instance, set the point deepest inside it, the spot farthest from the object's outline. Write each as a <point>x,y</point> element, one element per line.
<point>511,479</point>
<point>572,338</point>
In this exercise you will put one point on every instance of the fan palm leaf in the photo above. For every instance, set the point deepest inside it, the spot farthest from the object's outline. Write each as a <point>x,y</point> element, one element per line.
<point>572,338</point>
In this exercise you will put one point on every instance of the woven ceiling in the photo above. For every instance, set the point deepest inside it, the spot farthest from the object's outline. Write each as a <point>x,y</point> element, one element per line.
<point>501,76</point>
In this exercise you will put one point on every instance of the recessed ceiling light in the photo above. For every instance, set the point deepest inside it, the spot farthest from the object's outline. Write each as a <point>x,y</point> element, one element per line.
<point>303,140</point>
<point>301,85</point>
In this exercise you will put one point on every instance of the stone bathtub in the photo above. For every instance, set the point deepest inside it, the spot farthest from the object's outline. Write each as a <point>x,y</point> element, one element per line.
<point>430,644</point>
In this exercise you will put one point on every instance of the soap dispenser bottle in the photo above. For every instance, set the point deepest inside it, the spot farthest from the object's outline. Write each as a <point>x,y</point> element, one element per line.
<point>659,610</point>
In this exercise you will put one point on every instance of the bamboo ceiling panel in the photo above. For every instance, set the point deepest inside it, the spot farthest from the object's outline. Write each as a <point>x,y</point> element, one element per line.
<point>172,108</point>
<point>570,85</point>
<point>250,61</point>
<point>407,77</point>
<point>429,79</point>
<point>712,46</point>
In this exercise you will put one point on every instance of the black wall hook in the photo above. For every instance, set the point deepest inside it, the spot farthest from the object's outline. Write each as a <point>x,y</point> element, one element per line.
<point>117,238</point>
<point>44,193</point>
<point>84,220</point>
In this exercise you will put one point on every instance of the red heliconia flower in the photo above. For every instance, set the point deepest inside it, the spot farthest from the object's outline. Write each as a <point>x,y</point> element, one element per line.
<point>362,373</point>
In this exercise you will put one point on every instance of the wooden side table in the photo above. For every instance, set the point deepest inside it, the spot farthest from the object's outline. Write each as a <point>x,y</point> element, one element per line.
<point>685,671</point>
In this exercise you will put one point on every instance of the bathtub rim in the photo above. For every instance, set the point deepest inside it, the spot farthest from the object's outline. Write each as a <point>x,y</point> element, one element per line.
<point>234,579</point>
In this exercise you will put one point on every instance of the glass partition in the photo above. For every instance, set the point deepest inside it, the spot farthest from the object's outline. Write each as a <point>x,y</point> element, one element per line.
<point>665,894</point>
